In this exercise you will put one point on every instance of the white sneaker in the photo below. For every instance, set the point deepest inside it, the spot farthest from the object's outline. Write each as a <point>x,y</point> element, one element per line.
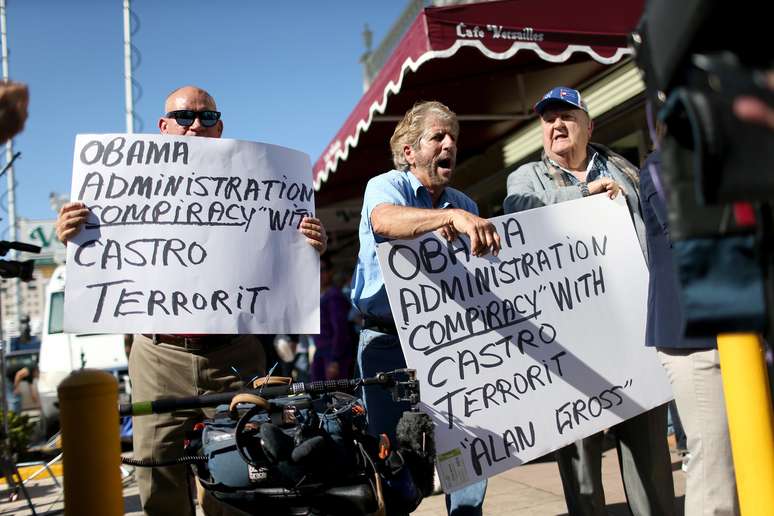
<point>686,460</point>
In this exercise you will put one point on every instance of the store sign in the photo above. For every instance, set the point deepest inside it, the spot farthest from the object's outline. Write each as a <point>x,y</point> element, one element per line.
<point>43,234</point>
<point>497,32</point>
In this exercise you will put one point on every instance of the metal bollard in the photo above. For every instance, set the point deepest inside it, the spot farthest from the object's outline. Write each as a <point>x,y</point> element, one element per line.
<point>88,406</point>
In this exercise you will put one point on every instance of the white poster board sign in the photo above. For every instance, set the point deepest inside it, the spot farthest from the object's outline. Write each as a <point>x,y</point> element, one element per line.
<point>190,235</point>
<point>523,353</point>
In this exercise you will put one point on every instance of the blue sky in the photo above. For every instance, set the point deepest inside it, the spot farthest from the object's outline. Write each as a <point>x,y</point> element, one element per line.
<point>282,72</point>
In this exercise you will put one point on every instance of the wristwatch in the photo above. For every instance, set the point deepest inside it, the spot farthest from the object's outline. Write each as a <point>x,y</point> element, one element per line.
<point>584,188</point>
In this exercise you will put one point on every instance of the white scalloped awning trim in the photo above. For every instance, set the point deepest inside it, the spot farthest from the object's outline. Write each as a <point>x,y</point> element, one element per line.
<point>378,107</point>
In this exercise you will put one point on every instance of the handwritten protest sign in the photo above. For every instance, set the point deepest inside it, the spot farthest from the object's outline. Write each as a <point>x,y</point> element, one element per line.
<point>523,353</point>
<point>190,235</point>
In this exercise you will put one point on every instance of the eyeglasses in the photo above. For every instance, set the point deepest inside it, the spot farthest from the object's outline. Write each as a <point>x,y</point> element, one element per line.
<point>186,117</point>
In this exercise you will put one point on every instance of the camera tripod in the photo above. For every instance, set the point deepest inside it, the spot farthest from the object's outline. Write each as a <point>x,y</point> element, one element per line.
<point>8,465</point>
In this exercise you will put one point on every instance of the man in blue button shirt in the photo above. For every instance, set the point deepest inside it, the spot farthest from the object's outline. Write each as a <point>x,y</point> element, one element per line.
<point>407,202</point>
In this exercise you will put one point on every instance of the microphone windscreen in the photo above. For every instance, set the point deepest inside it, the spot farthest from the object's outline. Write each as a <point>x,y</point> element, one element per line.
<point>277,445</point>
<point>415,433</point>
<point>416,441</point>
<point>308,449</point>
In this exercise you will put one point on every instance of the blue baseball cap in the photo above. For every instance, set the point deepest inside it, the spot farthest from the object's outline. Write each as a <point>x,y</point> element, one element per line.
<point>561,95</point>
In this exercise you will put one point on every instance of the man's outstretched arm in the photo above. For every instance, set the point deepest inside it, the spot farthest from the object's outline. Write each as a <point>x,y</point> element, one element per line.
<point>404,222</point>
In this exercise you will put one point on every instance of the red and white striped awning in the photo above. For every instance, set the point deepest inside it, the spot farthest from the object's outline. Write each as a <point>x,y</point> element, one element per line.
<point>453,54</point>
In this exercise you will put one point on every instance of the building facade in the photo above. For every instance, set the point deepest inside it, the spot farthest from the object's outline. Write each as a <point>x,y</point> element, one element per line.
<point>489,62</point>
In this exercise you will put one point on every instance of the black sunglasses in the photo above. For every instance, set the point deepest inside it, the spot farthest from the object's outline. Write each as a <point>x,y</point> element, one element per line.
<point>186,117</point>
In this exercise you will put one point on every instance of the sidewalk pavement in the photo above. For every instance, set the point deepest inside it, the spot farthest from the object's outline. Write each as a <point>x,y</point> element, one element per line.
<point>530,490</point>
<point>536,490</point>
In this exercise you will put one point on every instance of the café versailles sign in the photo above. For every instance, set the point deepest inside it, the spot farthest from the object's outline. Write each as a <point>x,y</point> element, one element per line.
<point>498,32</point>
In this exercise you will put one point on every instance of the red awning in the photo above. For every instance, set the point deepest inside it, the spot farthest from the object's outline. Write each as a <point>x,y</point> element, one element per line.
<point>475,58</point>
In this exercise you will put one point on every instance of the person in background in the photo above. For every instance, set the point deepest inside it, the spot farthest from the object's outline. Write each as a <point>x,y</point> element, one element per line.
<point>333,346</point>
<point>26,374</point>
<point>287,355</point>
<point>692,365</point>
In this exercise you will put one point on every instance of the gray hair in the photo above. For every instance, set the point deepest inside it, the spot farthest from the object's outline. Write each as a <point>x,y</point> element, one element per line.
<point>409,130</point>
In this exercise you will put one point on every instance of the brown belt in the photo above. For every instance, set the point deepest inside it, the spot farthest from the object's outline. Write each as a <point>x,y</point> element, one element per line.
<point>195,344</point>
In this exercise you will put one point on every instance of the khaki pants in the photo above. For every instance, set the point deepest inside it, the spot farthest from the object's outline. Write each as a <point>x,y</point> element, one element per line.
<point>710,487</point>
<point>160,369</point>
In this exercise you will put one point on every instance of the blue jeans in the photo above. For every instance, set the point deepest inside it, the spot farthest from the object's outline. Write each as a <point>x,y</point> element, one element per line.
<point>381,352</point>
<point>14,400</point>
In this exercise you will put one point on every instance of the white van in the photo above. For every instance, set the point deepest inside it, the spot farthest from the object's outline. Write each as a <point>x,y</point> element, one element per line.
<point>62,353</point>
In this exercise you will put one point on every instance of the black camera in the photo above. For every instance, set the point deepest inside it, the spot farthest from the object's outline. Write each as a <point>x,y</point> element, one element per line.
<point>16,269</point>
<point>697,57</point>
<point>303,448</point>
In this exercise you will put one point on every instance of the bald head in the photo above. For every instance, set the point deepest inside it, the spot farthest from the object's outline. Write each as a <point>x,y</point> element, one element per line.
<point>194,99</point>
<point>184,93</point>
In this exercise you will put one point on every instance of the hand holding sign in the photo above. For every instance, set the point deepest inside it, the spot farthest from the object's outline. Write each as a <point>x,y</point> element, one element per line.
<point>71,218</point>
<point>315,234</point>
<point>605,184</point>
<point>483,235</point>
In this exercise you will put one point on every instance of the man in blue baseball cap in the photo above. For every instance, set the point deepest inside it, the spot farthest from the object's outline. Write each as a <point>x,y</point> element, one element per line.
<point>568,159</point>
<point>561,95</point>
<point>571,167</point>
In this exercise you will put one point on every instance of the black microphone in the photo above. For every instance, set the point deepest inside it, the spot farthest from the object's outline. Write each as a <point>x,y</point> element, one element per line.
<point>6,246</point>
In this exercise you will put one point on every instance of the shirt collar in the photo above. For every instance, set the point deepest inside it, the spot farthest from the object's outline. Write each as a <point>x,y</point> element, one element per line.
<point>592,162</point>
<point>417,187</point>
